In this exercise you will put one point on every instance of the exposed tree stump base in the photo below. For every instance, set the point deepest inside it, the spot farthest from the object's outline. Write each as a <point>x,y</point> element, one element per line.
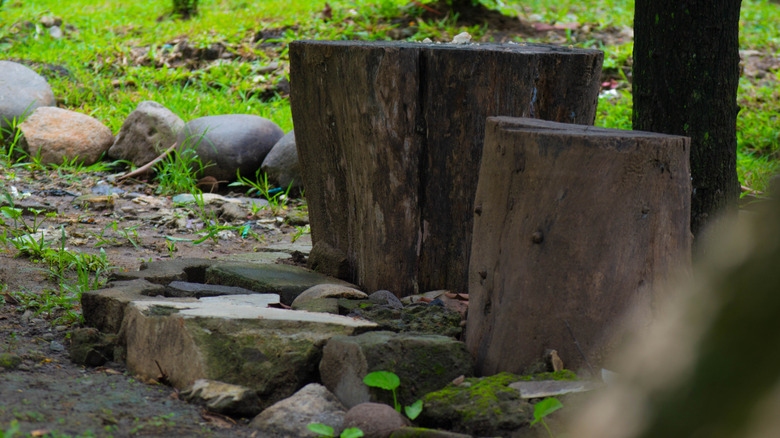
<point>575,226</point>
<point>389,138</point>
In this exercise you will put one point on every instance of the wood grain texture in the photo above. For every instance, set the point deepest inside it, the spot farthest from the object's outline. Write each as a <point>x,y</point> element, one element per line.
<point>389,137</point>
<point>575,225</point>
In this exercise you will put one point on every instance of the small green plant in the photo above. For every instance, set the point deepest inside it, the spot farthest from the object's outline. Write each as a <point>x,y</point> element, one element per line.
<point>177,172</point>
<point>277,197</point>
<point>545,408</point>
<point>171,246</point>
<point>390,381</point>
<point>325,431</point>
<point>300,231</point>
<point>13,428</point>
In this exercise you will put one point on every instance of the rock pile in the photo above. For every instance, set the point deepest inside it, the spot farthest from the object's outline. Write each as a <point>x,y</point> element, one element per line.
<point>226,144</point>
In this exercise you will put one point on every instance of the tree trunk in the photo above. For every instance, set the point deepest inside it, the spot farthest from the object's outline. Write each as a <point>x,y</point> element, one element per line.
<point>389,137</point>
<point>686,73</point>
<point>574,227</point>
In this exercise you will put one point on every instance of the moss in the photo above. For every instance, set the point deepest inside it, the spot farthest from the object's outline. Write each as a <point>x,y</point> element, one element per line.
<point>558,375</point>
<point>9,361</point>
<point>477,396</point>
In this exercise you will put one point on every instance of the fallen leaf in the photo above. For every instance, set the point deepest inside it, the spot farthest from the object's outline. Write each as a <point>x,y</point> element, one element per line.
<point>40,432</point>
<point>458,380</point>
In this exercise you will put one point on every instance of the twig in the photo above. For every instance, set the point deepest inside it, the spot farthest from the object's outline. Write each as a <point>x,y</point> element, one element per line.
<point>427,8</point>
<point>577,344</point>
<point>148,166</point>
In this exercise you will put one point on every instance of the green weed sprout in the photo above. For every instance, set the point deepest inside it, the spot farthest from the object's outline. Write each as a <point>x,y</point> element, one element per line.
<point>390,381</point>
<point>545,408</point>
<point>323,430</point>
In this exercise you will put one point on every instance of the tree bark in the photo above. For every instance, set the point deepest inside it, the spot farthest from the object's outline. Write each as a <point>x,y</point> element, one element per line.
<point>686,74</point>
<point>389,138</point>
<point>574,226</point>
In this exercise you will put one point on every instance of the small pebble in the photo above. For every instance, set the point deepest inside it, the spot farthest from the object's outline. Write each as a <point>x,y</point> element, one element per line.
<point>462,38</point>
<point>61,328</point>
<point>56,346</point>
<point>48,336</point>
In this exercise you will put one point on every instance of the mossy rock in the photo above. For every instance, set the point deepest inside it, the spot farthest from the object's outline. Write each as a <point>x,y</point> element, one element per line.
<point>483,406</point>
<point>415,318</point>
<point>9,361</point>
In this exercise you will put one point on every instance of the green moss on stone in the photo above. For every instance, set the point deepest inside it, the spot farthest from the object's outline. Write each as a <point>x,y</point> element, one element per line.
<point>558,375</point>
<point>478,406</point>
<point>9,361</point>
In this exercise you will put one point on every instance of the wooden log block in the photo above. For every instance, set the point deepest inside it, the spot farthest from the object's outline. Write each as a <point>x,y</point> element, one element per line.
<point>574,227</point>
<point>389,138</point>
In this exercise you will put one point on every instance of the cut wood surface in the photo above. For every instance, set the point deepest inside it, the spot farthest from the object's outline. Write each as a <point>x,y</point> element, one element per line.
<point>389,137</point>
<point>574,227</point>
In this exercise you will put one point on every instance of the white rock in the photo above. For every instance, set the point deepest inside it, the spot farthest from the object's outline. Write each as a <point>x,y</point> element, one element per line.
<point>462,38</point>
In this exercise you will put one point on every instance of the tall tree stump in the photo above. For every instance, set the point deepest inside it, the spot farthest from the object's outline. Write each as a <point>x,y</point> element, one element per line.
<point>389,138</point>
<point>574,227</point>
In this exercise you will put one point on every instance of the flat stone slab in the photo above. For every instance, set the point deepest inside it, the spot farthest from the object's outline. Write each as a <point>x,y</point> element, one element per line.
<point>170,270</point>
<point>233,339</point>
<point>256,257</point>
<point>104,309</point>
<point>286,280</point>
<point>302,245</point>
<point>250,307</point>
<point>551,388</point>
<point>200,290</point>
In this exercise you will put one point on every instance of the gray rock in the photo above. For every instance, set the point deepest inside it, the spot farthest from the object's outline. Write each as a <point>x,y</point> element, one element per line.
<point>297,218</point>
<point>22,91</point>
<point>230,143</point>
<point>483,406</point>
<point>552,388</point>
<point>146,132</point>
<point>104,309</point>
<point>200,290</point>
<point>329,291</point>
<point>424,363</point>
<point>281,163</point>
<point>164,272</point>
<point>376,420</point>
<point>385,298</point>
<point>233,212</point>
<point>286,280</point>
<point>325,298</point>
<point>57,134</point>
<point>223,398</point>
<point>90,347</point>
<point>290,417</point>
<point>416,318</point>
<point>231,339</point>
<point>9,361</point>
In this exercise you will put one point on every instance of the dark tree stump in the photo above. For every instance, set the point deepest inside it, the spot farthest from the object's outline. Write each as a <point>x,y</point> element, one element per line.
<point>574,225</point>
<point>389,138</point>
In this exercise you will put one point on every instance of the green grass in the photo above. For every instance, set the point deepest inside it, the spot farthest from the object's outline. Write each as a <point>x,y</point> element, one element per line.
<point>117,52</point>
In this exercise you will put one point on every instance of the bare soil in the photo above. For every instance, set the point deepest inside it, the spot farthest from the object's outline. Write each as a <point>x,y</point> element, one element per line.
<point>42,393</point>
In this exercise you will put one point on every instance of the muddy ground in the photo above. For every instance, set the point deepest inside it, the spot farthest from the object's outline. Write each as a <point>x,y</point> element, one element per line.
<point>41,391</point>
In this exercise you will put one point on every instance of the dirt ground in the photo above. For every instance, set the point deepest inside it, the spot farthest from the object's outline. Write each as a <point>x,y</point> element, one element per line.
<point>41,392</point>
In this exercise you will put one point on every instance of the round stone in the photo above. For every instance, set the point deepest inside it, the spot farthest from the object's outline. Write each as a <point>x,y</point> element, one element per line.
<point>21,92</point>
<point>230,143</point>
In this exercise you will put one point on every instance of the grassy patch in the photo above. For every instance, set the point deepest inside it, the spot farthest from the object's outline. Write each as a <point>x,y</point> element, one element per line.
<point>113,55</point>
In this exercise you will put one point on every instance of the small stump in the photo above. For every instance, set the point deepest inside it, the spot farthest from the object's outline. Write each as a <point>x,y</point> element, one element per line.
<point>389,138</point>
<point>574,225</point>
